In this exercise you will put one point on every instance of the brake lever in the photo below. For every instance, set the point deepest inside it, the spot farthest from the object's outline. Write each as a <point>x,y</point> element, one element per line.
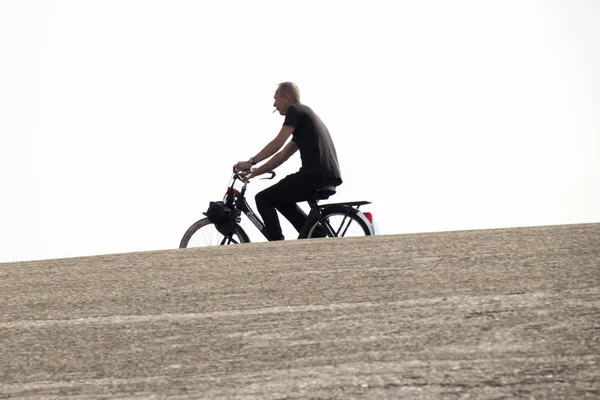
<point>236,172</point>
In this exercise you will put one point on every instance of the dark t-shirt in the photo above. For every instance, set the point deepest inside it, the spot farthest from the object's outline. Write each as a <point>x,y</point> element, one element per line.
<point>314,142</point>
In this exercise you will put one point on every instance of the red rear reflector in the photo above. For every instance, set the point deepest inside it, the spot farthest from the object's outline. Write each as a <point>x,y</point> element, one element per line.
<point>369,216</point>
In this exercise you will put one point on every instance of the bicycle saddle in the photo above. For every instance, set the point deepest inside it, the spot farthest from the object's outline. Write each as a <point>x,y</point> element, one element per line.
<point>324,192</point>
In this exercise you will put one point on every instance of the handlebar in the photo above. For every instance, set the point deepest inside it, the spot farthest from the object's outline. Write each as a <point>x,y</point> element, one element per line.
<point>272,175</point>
<point>237,175</point>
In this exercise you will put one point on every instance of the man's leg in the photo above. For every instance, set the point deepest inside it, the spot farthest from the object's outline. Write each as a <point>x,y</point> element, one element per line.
<point>268,213</point>
<point>293,213</point>
<point>283,196</point>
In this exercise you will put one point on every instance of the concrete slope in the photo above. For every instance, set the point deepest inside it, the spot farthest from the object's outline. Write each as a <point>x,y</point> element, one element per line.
<point>507,313</point>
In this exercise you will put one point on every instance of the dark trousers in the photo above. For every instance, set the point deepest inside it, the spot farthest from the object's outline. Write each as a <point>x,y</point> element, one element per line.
<point>283,197</point>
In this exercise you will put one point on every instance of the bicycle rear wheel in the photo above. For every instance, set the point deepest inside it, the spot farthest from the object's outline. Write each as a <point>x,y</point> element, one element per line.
<point>345,221</point>
<point>205,233</point>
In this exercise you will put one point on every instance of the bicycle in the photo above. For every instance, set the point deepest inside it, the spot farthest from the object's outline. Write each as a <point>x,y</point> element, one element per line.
<point>222,223</point>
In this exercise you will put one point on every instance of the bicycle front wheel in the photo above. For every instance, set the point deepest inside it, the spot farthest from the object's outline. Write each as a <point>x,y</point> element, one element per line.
<point>345,221</point>
<point>205,233</point>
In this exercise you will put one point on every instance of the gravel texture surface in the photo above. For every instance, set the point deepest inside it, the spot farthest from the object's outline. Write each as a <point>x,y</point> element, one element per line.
<point>493,314</point>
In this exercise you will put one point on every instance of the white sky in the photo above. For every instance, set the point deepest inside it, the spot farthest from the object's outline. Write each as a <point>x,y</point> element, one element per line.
<point>120,120</point>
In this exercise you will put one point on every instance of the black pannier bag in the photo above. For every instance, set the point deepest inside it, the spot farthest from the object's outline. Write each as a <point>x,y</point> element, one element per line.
<point>218,212</point>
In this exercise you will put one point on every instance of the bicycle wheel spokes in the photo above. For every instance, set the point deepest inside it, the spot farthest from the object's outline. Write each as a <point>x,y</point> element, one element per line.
<point>228,240</point>
<point>208,235</point>
<point>342,225</point>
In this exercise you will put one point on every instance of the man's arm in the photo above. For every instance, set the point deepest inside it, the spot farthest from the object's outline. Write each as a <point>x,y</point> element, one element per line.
<point>275,144</point>
<point>271,148</point>
<point>277,160</point>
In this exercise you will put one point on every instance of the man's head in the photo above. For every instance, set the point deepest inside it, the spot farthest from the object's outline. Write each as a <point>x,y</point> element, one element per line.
<point>287,93</point>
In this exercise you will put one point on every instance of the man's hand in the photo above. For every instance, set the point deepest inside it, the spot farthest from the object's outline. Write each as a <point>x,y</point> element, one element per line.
<point>243,165</point>
<point>246,174</point>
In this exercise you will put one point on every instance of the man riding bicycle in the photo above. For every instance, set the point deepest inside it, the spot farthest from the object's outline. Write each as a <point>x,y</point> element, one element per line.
<point>320,165</point>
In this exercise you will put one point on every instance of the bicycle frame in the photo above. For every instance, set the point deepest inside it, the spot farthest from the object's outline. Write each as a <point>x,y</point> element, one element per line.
<point>321,221</point>
<point>253,217</point>
<point>241,204</point>
<point>314,214</point>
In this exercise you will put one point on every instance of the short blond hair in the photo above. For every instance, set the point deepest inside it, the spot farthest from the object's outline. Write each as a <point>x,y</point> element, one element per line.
<point>289,89</point>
